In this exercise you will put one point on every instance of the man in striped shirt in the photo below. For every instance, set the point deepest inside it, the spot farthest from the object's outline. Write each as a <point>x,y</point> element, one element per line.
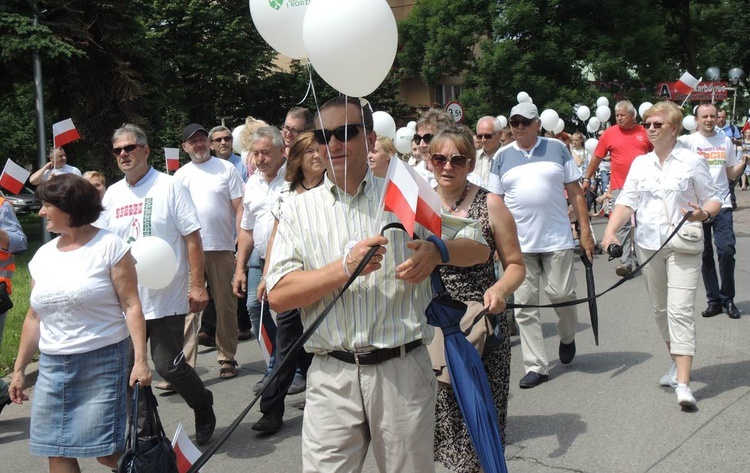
<point>371,378</point>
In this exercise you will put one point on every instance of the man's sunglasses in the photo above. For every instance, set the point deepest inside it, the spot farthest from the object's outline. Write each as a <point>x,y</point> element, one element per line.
<point>457,161</point>
<point>427,137</point>
<point>128,149</point>
<point>222,138</point>
<point>486,136</point>
<point>516,122</point>
<point>341,133</point>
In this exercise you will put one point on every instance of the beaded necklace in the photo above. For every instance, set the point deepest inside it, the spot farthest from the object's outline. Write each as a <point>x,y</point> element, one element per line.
<point>460,201</point>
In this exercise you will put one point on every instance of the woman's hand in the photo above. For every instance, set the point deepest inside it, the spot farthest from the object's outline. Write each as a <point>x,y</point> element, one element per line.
<point>140,373</point>
<point>15,390</point>
<point>494,301</point>
<point>261,292</point>
<point>698,215</point>
<point>425,258</point>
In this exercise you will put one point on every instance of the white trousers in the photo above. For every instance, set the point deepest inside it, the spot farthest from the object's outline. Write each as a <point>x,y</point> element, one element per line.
<point>671,281</point>
<point>557,269</point>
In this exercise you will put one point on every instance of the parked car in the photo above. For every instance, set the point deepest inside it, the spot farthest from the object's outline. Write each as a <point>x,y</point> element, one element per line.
<point>23,203</point>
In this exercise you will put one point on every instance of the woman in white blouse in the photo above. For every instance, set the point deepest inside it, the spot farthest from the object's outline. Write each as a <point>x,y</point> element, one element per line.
<point>662,186</point>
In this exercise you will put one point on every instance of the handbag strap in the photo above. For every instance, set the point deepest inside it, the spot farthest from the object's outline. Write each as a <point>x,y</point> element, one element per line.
<point>132,440</point>
<point>152,404</point>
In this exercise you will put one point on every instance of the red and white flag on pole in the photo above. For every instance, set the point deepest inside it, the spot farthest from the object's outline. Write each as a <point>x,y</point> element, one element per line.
<point>173,158</point>
<point>267,336</point>
<point>64,132</point>
<point>186,452</point>
<point>409,196</point>
<point>686,84</point>
<point>13,177</point>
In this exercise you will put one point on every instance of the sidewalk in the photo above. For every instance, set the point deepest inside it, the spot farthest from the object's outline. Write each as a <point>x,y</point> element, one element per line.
<point>603,413</point>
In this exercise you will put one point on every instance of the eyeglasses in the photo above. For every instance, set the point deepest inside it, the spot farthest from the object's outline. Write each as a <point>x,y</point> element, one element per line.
<point>341,133</point>
<point>656,125</point>
<point>457,161</point>
<point>485,136</point>
<point>516,122</point>
<point>427,137</point>
<point>128,149</point>
<point>222,138</point>
<point>290,130</point>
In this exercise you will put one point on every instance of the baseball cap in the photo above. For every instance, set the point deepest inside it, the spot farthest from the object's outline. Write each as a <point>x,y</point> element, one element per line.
<point>192,129</point>
<point>526,110</point>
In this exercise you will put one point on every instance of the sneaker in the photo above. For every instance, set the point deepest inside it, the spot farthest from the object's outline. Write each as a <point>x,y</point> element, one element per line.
<point>670,379</point>
<point>298,385</point>
<point>623,270</point>
<point>259,385</point>
<point>685,396</point>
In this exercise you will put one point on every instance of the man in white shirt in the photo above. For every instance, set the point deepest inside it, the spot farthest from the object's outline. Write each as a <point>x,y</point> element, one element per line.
<point>261,196</point>
<point>151,203</point>
<point>488,133</point>
<point>57,164</point>
<point>216,189</point>
<point>531,175</point>
<point>719,152</point>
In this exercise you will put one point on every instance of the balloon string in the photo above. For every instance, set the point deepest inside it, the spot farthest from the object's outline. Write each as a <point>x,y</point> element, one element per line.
<point>309,83</point>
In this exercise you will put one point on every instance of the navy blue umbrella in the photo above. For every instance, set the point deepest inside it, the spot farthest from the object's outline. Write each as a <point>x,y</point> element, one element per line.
<point>468,378</point>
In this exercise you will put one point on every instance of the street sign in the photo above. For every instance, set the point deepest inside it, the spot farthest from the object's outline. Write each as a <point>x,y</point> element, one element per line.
<point>456,110</point>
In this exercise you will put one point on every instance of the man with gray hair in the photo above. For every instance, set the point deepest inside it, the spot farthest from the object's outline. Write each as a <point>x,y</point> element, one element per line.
<point>221,143</point>
<point>260,198</point>
<point>623,142</point>
<point>216,189</point>
<point>150,203</point>
<point>488,133</point>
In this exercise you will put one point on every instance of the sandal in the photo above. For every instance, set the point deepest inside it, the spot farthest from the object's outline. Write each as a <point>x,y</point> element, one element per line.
<point>228,369</point>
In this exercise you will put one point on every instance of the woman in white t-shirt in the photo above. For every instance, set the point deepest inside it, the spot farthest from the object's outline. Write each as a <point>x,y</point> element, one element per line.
<point>83,306</point>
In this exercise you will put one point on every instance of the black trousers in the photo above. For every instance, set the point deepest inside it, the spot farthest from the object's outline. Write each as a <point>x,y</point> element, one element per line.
<point>289,330</point>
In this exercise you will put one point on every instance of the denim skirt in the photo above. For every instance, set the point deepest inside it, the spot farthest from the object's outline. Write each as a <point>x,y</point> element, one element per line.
<point>79,403</point>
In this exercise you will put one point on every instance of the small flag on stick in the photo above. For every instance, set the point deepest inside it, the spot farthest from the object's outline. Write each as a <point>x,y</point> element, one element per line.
<point>13,177</point>
<point>64,132</point>
<point>686,84</point>
<point>173,158</point>
<point>409,196</point>
<point>267,336</point>
<point>186,452</point>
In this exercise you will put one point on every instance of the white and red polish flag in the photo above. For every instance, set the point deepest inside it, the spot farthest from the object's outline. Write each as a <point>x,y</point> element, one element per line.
<point>172,156</point>
<point>686,84</point>
<point>64,132</point>
<point>186,452</point>
<point>13,177</point>
<point>409,196</point>
<point>267,335</point>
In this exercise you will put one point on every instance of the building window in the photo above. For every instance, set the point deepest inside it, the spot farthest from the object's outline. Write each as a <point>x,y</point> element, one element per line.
<point>446,93</point>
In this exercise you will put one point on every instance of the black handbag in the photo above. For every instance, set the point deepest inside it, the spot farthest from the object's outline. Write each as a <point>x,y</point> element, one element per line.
<point>152,454</point>
<point>5,303</point>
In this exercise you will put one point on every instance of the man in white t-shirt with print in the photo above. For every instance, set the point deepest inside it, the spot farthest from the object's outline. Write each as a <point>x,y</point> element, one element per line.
<point>216,188</point>
<point>532,174</point>
<point>150,203</point>
<point>719,152</point>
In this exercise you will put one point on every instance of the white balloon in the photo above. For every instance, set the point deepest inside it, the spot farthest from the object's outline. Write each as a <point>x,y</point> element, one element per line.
<point>384,124</point>
<point>351,45</point>
<point>590,145</point>
<point>413,125</point>
<point>583,113</point>
<point>560,126</point>
<point>404,137</point>
<point>237,139</point>
<point>549,119</point>
<point>281,25</point>
<point>602,102</point>
<point>155,262</point>
<point>503,121</point>
<point>523,97</point>
<point>593,125</point>
<point>603,113</point>
<point>644,106</point>
<point>689,123</point>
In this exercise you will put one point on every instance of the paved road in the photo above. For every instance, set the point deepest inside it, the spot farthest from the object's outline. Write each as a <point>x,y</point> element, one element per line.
<point>603,413</point>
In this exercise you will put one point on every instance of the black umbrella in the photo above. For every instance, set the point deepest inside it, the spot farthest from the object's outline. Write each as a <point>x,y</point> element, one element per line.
<point>591,291</point>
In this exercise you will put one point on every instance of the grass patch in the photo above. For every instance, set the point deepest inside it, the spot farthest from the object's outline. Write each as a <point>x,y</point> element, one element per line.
<point>21,291</point>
